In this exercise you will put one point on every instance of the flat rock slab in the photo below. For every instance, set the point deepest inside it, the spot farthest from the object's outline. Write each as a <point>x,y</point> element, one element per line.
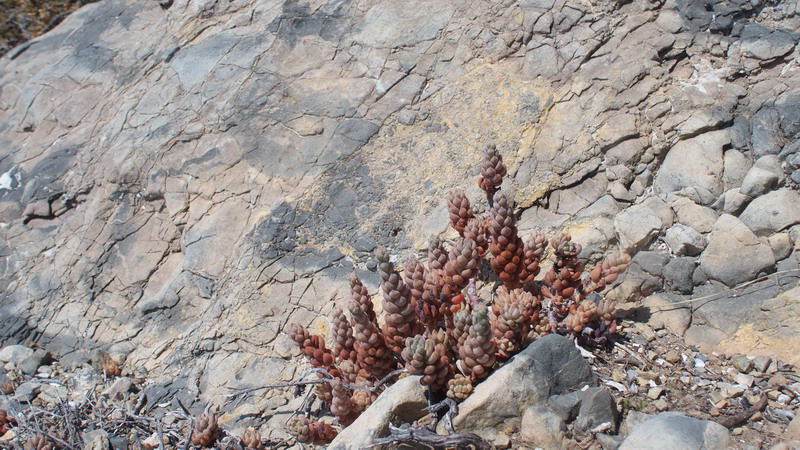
<point>675,431</point>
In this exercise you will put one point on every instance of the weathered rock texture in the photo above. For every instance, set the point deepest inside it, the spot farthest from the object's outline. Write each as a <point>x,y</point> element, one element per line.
<point>176,184</point>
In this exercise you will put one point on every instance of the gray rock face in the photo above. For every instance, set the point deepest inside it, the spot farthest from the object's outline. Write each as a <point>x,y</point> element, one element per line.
<point>733,202</point>
<point>694,166</point>
<point>683,240</point>
<point>773,212</point>
<point>674,430</point>
<point>758,181</point>
<point>636,227</point>
<point>698,217</point>
<point>736,167</point>
<point>403,402</point>
<point>547,367</point>
<point>176,202</point>
<point>732,241</point>
<point>660,308</point>
<point>678,275</point>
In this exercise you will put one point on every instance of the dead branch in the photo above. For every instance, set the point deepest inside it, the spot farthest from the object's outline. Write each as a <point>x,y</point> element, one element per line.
<point>326,377</point>
<point>452,411</point>
<point>422,436</point>
<point>741,417</point>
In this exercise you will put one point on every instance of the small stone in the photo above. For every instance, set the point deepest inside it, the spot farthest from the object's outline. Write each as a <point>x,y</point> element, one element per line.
<point>730,390</point>
<point>566,405</point>
<point>31,364</point>
<point>97,440</point>
<point>714,412</point>
<point>672,356</point>
<point>597,408</point>
<point>793,430</point>
<point>609,442</point>
<point>716,396</point>
<point>746,380</point>
<point>27,391</point>
<point>781,245</point>
<point>15,353</point>
<point>661,404</point>
<point>761,363</point>
<point>742,363</point>
<point>501,441</point>
<point>757,416</point>
<point>646,331</point>
<point>772,212</point>
<point>655,393</point>
<point>118,389</point>
<point>53,393</point>
<point>699,362</point>
<point>542,427</point>
<point>758,181</point>
<point>778,379</point>
<point>783,399</point>
<point>752,397</point>
<point>647,375</point>
<point>737,431</point>
<point>684,240</point>
<point>661,333</point>
<point>773,395</point>
<point>670,430</point>
<point>773,367</point>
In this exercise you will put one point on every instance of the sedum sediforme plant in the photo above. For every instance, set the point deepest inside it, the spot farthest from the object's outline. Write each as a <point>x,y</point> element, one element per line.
<point>435,324</point>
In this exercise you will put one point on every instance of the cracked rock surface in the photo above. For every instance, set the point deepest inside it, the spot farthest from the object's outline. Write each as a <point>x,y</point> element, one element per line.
<point>177,184</point>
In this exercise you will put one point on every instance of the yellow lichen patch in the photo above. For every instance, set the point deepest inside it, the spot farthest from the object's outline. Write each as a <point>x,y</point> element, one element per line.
<point>773,331</point>
<point>319,326</point>
<point>748,341</point>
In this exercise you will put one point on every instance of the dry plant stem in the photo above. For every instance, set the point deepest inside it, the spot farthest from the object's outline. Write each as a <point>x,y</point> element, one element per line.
<point>429,439</point>
<point>161,434</point>
<point>632,353</point>
<point>328,378</point>
<point>188,438</point>
<point>741,417</point>
<point>727,289</point>
<point>452,411</point>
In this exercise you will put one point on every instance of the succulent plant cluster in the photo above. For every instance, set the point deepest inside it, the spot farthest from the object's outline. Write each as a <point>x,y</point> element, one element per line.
<point>437,326</point>
<point>6,422</point>
<point>205,430</point>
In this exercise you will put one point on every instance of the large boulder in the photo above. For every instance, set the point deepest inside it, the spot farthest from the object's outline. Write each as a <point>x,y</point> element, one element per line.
<point>734,254</point>
<point>773,212</point>
<point>694,167</point>
<point>636,227</point>
<point>549,366</point>
<point>402,402</point>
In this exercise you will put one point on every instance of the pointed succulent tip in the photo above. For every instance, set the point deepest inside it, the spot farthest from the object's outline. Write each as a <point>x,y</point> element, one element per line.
<point>500,198</point>
<point>382,254</point>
